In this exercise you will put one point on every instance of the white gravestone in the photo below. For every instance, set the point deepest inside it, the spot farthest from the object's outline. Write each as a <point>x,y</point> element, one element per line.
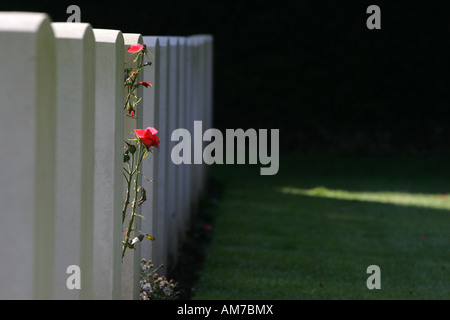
<point>182,169</point>
<point>27,137</point>
<point>163,155</point>
<point>190,169</point>
<point>150,110</point>
<point>196,103</point>
<point>108,163</point>
<point>209,80</point>
<point>207,65</point>
<point>172,214</point>
<point>202,100</point>
<point>75,156</point>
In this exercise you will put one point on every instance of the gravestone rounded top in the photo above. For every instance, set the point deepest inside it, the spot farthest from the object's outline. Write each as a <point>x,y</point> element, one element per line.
<point>163,41</point>
<point>70,30</point>
<point>107,35</point>
<point>151,41</point>
<point>22,21</point>
<point>173,41</point>
<point>204,36</point>
<point>194,40</point>
<point>132,38</point>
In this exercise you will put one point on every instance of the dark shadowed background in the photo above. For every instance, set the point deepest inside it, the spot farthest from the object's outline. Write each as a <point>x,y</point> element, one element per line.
<point>309,68</point>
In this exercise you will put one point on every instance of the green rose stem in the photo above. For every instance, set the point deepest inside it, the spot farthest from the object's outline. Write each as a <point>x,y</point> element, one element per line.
<point>133,169</point>
<point>128,180</point>
<point>127,201</point>
<point>130,82</point>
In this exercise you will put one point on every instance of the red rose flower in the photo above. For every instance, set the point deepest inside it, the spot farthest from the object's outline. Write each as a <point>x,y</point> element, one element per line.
<point>135,48</point>
<point>145,84</point>
<point>148,136</point>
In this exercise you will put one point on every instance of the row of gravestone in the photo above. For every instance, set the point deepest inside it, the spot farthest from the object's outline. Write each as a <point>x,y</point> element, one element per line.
<point>62,133</point>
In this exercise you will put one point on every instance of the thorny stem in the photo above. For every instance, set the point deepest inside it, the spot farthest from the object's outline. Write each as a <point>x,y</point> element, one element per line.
<point>133,205</point>
<point>128,180</point>
<point>133,170</point>
<point>131,86</point>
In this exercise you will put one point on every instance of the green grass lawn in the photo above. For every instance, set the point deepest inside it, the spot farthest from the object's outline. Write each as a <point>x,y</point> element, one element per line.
<point>311,231</point>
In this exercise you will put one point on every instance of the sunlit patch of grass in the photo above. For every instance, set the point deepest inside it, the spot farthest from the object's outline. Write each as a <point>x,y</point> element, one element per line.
<point>436,201</point>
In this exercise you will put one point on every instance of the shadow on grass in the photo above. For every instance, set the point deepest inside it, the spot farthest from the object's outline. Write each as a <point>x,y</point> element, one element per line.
<point>301,242</point>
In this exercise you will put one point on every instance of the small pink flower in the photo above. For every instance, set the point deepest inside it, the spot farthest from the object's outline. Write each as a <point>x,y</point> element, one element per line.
<point>135,48</point>
<point>145,84</point>
<point>422,237</point>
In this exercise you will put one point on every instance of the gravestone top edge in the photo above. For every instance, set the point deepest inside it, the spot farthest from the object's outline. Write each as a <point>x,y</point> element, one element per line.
<point>70,30</point>
<point>107,35</point>
<point>132,38</point>
<point>163,41</point>
<point>204,36</point>
<point>22,21</point>
<point>151,41</point>
<point>173,41</point>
